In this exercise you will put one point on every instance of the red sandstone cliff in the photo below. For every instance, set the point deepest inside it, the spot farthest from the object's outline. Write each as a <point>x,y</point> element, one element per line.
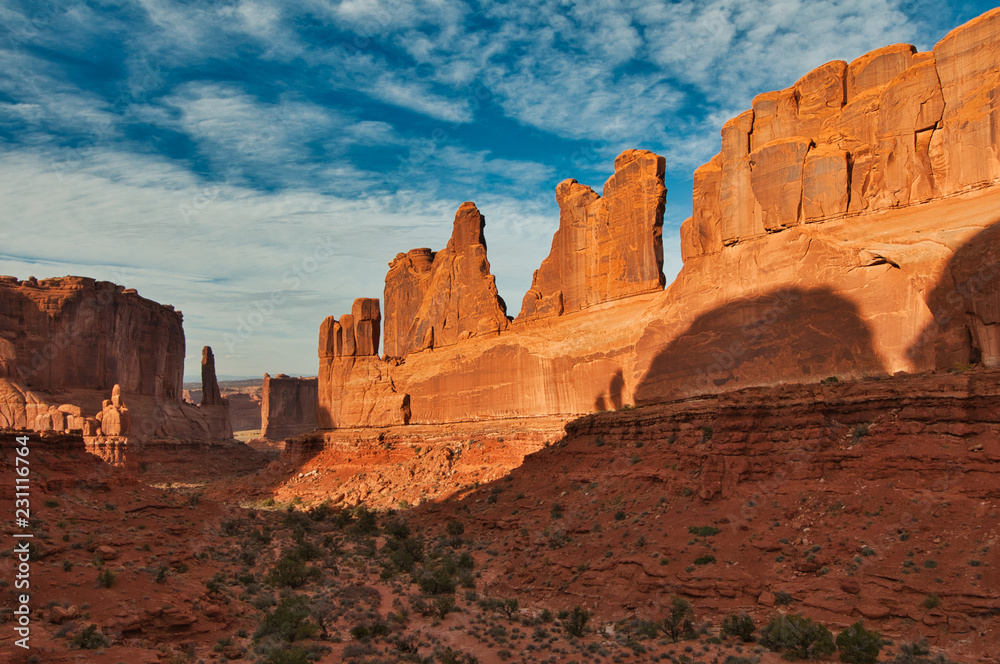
<point>438,299</point>
<point>66,344</point>
<point>606,248</point>
<point>847,227</point>
<point>288,406</point>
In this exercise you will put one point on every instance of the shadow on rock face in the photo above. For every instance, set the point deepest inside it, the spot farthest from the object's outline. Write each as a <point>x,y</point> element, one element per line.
<point>789,335</point>
<point>966,308</point>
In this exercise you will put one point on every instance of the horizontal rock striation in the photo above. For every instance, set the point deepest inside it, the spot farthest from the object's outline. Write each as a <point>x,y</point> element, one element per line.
<point>67,343</point>
<point>892,128</point>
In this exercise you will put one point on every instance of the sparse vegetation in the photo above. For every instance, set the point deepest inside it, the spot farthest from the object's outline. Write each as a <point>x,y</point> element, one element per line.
<point>799,637</point>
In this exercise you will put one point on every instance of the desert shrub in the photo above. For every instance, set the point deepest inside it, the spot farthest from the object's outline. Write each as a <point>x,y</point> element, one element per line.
<point>736,659</point>
<point>679,621</point>
<point>436,581</point>
<point>452,656</point>
<point>705,559</point>
<point>293,655</point>
<point>858,645</point>
<point>703,531</point>
<point>932,601</point>
<point>289,622</point>
<point>365,521</point>
<point>576,621</point>
<point>740,626</point>
<point>292,573</point>
<point>797,636</point>
<point>89,639</point>
<point>455,528</point>
<point>443,605</point>
<point>404,553</point>
<point>507,606</point>
<point>105,578</point>
<point>261,535</point>
<point>783,598</point>
<point>918,653</point>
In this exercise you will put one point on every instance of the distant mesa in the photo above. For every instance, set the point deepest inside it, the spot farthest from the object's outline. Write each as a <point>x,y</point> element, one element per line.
<point>288,406</point>
<point>70,343</point>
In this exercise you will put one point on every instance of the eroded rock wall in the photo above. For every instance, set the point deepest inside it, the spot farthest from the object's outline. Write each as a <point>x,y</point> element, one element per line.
<point>847,228</point>
<point>437,299</point>
<point>67,343</point>
<point>607,247</point>
<point>288,406</point>
<point>890,129</point>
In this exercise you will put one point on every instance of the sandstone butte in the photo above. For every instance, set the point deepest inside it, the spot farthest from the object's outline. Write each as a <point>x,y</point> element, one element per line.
<point>90,356</point>
<point>845,229</point>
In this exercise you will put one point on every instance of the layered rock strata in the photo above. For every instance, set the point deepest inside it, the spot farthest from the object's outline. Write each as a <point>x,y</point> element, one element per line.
<point>892,128</point>
<point>67,343</point>
<point>288,406</point>
<point>846,228</point>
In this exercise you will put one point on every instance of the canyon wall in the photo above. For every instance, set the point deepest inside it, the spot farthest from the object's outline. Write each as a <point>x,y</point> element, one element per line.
<point>288,406</point>
<point>66,344</point>
<point>607,247</point>
<point>846,228</point>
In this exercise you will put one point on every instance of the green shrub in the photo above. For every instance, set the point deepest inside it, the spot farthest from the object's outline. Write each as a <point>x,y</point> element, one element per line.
<point>740,626</point>
<point>105,578</point>
<point>289,622</point>
<point>858,645</point>
<point>436,582</point>
<point>292,573</point>
<point>679,621</point>
<point>89,639</point>
<point>293,655</point>
<point>705,559</point>
<point>576,621</point>
<point>932,601</point>
<point>797,637</point>
<point>703,531</point>
<point>454,528</point>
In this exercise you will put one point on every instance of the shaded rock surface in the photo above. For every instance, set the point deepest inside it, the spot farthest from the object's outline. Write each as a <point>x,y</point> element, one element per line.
<point>288,406</point>
<point>66,343</point>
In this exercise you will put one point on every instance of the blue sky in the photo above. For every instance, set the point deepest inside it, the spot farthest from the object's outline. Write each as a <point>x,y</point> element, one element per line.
<point>258,163</point>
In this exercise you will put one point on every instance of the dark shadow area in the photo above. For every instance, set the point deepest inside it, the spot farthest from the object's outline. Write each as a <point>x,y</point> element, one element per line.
<point>614,398</point>
<point>966,308</point>
<point>790,335</point>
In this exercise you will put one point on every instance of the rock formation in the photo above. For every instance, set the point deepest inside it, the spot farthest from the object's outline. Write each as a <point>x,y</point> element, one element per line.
<point>436,299</point>
<point>288,406</point>
<point>892,128</point>
<point>607,247</point>
<point>114,418</point>
<point>353,382</point>
<point>846,228</point>
<point>352,335</point>
<point>66,343</point>
<point>210,394</point>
